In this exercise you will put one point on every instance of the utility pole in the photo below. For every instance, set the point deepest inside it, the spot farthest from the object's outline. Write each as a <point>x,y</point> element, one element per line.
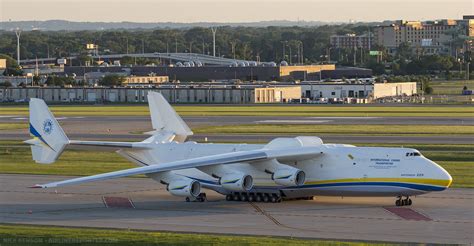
<point>284,53</point>
<point>18,33</point>
<point>127,45</point>
<point>203,46</point>
<point>355,54</point>
<point>298,58</point>
<point>214,30</point>
<point>290,53</point>
<point>302,55</point>
<point>175,44</point>
<point>368,28</point>
<point>233,43</point>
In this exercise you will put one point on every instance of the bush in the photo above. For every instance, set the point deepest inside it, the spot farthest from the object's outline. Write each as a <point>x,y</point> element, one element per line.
<point>112,80</point>
<point>6,84</point>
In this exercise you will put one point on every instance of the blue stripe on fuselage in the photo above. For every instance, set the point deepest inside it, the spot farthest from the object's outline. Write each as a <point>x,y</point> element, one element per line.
<point>422,187</point>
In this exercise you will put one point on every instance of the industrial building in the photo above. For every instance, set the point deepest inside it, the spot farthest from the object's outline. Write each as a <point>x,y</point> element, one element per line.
<point>209,73</point>
<point>3,64</point>
<point>145,80</point>
<point>174,94</point>
<point>315,91</point>
<point>219,93</point>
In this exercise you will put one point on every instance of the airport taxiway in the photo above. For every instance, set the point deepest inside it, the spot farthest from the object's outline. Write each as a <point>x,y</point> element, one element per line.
<point>444,217</point>
<point>122,128</point>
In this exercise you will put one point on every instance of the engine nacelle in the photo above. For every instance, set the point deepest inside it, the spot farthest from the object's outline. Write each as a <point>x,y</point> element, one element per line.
<point>187,188</point>
<point>237,182</point>
<point>289,177</point>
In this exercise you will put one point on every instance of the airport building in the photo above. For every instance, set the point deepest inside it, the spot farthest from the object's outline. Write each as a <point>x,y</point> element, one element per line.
<point>340,91</point>
<point>3,64</point>
<point>145,80</point>
<point>174,94</point>
<point>220,93</point>
<point>212,73</point>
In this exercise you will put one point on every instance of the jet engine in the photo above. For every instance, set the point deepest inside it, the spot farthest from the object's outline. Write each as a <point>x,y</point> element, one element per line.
<point>289,176</point>
<point>237,182</point>
<point>187,188</point>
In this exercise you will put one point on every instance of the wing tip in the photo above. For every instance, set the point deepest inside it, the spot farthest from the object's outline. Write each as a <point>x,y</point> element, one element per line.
<point>36,186</point>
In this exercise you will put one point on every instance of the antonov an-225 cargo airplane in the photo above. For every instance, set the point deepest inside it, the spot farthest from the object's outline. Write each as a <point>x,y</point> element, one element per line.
<point>285,168</point>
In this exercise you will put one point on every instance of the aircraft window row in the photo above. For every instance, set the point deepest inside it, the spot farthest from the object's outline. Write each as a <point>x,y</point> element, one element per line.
<point>413,154</point>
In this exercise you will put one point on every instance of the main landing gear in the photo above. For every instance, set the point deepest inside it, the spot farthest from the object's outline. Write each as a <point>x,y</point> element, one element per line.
<point>200,198</point>
<point>403,202</point>
<point>254,197</point>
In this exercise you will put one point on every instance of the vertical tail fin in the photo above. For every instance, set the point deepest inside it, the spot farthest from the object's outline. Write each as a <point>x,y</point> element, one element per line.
<point>49,138</point>
<point>165,120</point>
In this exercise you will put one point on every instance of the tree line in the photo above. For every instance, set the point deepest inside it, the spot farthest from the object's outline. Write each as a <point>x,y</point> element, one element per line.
<point>249,43</point>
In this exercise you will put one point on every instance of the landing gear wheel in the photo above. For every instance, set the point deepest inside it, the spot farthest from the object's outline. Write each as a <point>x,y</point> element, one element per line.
<point>258,198</point>
<point>229,197</point>
<point>236,197</point>
<point>409,202</point>
<point>202,197</point>
<point>251,197</point>
<point>266,198</point>
<point>243,197</point>
<point>273,199</point>
<point>187,199</point>
<point>398,202</point>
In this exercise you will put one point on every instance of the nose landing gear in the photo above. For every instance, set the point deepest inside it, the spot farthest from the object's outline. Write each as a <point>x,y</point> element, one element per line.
<point>403,202</point>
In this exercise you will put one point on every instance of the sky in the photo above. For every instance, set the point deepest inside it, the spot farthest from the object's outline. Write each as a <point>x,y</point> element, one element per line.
<point>186,11</point>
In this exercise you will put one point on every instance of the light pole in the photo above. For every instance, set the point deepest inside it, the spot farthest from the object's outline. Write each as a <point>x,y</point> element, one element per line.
<point>175,44</point>
<point>18,33</point>
<point>214,30</point>
<point>233,43</point>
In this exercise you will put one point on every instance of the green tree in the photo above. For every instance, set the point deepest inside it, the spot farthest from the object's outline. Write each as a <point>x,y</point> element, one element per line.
<point>112,80</point>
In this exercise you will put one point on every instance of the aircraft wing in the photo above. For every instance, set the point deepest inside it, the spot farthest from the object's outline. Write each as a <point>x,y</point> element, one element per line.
<point>300,153</point>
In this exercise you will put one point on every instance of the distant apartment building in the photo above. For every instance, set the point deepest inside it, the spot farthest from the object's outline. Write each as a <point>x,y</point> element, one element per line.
<point>352,41</point>
<point>469,23</point>
<point>424,38</point>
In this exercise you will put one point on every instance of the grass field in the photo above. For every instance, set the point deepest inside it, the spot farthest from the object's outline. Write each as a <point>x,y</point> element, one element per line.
<point>49,235</point>
<point>453,87</point>
<point>11,126</point>
<point>16,158</point>
<point>257,110</point>
<point>339,129</point>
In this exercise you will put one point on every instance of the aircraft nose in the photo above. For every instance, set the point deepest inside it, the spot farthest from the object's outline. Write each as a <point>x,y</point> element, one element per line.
<point>445,176</point>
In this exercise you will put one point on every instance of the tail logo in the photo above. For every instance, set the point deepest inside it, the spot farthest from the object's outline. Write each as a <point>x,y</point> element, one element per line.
<point>48,126</point>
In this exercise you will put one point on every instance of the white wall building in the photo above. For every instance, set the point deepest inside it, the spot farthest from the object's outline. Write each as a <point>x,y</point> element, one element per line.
<point>344,90</point>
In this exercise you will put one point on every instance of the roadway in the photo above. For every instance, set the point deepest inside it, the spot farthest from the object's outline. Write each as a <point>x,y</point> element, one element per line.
<point>128,128</point>
<point>445,218</point>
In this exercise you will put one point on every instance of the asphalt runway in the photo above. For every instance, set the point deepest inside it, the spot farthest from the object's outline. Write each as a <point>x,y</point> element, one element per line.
<point>126,128</point>
<point>445,217</point>
<point>233,120</point>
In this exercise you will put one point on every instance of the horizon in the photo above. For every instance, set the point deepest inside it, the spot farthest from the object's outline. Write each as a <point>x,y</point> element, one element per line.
<point>232,11</point>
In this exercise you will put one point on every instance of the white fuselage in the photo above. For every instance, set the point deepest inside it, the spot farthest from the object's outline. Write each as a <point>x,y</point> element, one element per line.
<point>343,170</point>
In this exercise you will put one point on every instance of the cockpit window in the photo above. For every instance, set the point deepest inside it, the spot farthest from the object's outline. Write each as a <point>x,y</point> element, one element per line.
<point>413,154</point>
